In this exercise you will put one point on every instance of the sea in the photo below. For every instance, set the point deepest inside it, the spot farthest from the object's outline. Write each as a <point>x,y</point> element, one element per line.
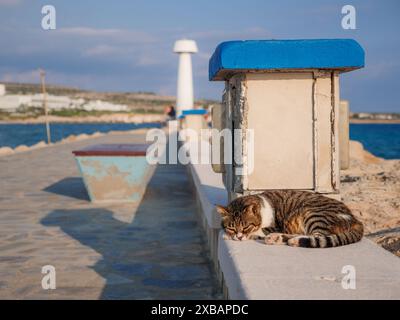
<point>13,135</point>
<point>382,140</point>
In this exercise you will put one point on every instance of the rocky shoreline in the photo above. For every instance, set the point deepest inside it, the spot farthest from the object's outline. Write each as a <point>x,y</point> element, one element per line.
<point>371,188</point>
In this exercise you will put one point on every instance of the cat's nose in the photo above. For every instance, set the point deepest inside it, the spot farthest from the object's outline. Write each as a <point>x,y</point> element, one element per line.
<point>239,235</point>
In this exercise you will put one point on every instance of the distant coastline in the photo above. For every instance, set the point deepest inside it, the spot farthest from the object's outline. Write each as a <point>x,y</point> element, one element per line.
<point>111,118</point>
<point>372,121</point>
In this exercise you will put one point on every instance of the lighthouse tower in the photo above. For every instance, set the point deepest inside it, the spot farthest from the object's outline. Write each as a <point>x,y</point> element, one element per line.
<point>184,96</point>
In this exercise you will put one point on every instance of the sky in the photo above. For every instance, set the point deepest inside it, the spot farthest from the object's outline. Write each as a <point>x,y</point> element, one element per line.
<point>126,45</point>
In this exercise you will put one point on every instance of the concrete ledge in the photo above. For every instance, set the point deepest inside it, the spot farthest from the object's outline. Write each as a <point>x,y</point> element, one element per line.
<point>253,270</point>
<point>211,191</point>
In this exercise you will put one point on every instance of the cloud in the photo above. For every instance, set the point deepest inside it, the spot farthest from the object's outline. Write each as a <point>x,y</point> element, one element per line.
<point>30,76</point>
<point>115,59</point>
<point>10,2</point>
<point>324,9</point>
<point>203,55</point>
<point>83,81</point>
<point>147,60</point>
<point>115,35</point>
<point>249,33</point>
<point>103,50</point>
<point>132,55</point>
<point>382,68</point>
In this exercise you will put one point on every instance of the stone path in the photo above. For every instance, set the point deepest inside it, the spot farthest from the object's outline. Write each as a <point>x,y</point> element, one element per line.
<point>154,250</point>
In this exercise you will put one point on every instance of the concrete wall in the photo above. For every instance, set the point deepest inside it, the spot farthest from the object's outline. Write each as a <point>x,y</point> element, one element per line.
<point>344,134</point>
<point>295,120</point>
<point>281,115</point>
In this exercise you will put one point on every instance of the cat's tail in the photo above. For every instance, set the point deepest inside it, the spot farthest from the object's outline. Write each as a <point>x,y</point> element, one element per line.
<point>326,241</point>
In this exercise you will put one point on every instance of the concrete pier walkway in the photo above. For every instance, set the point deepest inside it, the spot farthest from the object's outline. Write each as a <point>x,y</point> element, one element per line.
<point>152,250</point>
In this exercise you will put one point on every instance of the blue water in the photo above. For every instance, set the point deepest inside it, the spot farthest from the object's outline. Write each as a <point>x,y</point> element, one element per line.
<point>13,135</point>
<point>382,140</point>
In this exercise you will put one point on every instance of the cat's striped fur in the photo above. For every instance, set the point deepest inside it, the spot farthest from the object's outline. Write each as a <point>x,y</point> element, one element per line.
<point>296,218</point>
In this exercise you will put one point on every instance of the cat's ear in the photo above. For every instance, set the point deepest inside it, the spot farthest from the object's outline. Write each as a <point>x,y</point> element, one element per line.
<point>223,211</point>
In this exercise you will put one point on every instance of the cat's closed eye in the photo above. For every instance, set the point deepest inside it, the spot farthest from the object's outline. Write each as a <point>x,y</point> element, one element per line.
<point>249,227</point>
<point>230,229</point>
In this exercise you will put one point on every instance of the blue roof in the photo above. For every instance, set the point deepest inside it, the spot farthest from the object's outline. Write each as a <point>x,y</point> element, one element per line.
<point>237,56</point>
<point>193,111</point>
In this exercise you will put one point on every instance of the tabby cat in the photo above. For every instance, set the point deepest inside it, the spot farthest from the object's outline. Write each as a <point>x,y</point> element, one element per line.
<point>295,218</point>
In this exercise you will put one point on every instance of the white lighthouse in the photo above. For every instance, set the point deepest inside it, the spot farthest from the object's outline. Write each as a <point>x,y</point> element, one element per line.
<point>184,95</point>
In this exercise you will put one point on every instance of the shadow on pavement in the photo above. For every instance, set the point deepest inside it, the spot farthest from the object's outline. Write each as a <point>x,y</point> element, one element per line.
<point>159,255</point>
<point>72,187</point>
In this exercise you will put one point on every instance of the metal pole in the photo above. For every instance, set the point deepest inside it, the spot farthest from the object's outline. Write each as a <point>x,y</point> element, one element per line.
<point>42,75</point>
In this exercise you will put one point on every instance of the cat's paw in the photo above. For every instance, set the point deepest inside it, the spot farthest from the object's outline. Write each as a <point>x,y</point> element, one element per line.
<point>255,237</point>
<point>276,238</point>
<point>241,238</point>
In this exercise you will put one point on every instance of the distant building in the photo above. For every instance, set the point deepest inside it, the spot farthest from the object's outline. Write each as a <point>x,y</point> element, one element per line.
<point>99,105</point>
<point>383,116</point>
<point>11,103</point>
<point>56,102</point>
<point>374,116</point>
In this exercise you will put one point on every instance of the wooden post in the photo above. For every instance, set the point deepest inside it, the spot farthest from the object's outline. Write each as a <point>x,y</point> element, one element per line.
<point>42,75</point>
